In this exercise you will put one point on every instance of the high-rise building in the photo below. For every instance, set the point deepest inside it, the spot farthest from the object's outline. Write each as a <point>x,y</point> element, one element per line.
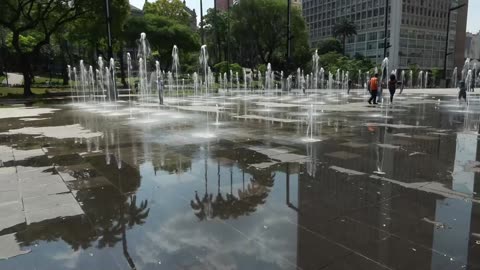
<point>472,46</point>
<point>416,29</point>
<point>223,4</point>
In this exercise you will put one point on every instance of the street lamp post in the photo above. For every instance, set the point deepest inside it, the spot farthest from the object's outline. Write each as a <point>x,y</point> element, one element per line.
<point>201,22</point>
<point>385,38</point>
<point>109,28</point>
<point>289,26</point>
<point>446,43</point>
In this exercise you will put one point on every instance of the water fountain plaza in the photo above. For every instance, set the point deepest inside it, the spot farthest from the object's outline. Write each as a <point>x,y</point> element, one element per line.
<point>255,179</point>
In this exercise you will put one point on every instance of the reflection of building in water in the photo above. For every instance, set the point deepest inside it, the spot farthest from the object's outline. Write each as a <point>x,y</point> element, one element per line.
<point>453,213</point>
<point>351,213</point>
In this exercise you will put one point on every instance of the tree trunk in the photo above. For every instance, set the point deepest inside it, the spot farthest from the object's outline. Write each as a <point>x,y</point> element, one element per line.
<point>122,67</point>
<point>27,76</point>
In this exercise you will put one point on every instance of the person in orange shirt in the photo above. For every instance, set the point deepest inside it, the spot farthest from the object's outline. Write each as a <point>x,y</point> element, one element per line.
<point>373,89</point>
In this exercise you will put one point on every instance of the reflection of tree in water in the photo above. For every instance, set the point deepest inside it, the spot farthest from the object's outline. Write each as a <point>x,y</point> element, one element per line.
<point>109,212</point>
<point>230,206</point>
<point>172,161</point>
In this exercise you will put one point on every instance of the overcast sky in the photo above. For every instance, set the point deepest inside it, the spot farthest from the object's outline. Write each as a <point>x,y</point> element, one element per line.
<point>472,26</point>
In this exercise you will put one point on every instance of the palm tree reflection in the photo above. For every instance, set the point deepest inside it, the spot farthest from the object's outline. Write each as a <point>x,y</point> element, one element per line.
<point>229,205</point>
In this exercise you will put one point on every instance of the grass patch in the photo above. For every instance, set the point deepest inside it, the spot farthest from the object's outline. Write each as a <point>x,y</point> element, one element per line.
<point>18,91</point>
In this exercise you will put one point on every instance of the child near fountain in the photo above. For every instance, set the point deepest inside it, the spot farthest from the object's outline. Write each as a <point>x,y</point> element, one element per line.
<point>462,93</point>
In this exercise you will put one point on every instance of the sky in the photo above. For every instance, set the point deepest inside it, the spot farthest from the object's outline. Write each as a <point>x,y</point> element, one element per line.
<point>473,24</point>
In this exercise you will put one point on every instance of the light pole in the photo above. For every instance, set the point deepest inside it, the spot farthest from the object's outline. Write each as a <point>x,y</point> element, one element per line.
<point>289,38</point>
<point>385,38</point>
<point>109,28</point>
<point>446,43</point>
<point>201,22</point>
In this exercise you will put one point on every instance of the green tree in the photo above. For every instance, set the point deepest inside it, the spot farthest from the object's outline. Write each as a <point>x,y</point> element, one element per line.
<point>39,19</point>
<point>173,9</point>
<point>162,33</point>
<point>90,33</point>
<point>216,29</point>
<point>415,71</point>
<point>437,75</point>
<point>344,29</point>
<point>329,45</point>
<point>259,33</point>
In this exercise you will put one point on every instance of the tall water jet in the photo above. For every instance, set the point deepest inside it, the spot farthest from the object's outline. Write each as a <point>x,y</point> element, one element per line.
<point>113,85</point>
<point>143,54</point>
<point>410,77</point>
<point>454,77</point>
<point>175,66</point>
<point>91,78</point>
<point>268,77</point>
<point>238,81</point>
<point>330,81</point>
<point>83,78</point>
<point>203,59</point>
<point>245,80</point>
<point>468,80</point>
<point>322,78</point>
<point>71,84</point>
<point>420,79</point>
<point>158,82</point>
<point>315,67</point>
<point>466,68</point>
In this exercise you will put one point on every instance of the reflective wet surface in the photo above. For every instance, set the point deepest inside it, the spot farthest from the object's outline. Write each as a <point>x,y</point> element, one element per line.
<point>269,182</point>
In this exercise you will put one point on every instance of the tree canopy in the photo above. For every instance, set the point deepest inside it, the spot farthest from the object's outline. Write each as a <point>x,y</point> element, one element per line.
<point>259,33</point>
<point>344,29</point>
<point>173,9</point>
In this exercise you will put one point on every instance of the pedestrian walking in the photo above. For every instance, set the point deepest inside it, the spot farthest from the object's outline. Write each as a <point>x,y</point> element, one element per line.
<point>392,86</point>
<point>373,85</point>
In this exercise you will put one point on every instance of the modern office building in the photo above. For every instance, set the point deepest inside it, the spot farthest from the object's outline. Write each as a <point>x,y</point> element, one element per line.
<point>472,46</point>
<point>416,29</point>
<point>223,4</point>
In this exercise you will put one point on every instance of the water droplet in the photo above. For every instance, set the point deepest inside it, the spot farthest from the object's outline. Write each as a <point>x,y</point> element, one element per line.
<point>159,262</point>
<point>91,254</point>
<point>384,225</point>
<point>265,227</point>
<point>414,249</point>
<point>477,242</point>
<point>451,259</point>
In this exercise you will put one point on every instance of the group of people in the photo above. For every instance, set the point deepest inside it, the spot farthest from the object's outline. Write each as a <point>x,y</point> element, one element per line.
<point>375,88</point>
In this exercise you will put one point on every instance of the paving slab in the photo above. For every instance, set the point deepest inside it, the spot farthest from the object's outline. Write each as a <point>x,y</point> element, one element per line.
<point>11,214</point>
<point>51,206</point>
<point>9,247</point>
<point>343,155</point>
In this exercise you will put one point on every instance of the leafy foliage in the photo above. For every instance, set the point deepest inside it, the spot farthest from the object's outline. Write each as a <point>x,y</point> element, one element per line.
<point>344,29</point>
<point>172,9</point>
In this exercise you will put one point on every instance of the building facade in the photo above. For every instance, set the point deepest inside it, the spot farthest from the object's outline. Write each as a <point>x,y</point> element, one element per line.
<point>472,46</point>
<point>416,29</point>
<point>224,4</point>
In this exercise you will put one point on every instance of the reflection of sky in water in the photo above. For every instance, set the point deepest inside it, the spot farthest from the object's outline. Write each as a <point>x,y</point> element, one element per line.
<point>173,231</point>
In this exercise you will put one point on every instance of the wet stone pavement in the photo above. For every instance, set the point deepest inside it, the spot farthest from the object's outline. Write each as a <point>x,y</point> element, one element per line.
<point>184,187</point>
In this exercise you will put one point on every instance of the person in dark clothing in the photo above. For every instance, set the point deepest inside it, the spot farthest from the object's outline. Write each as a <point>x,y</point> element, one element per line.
<point>373,89</point>
<point>462,93</point>
<point>350,83</point>
<point>392,86</point>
